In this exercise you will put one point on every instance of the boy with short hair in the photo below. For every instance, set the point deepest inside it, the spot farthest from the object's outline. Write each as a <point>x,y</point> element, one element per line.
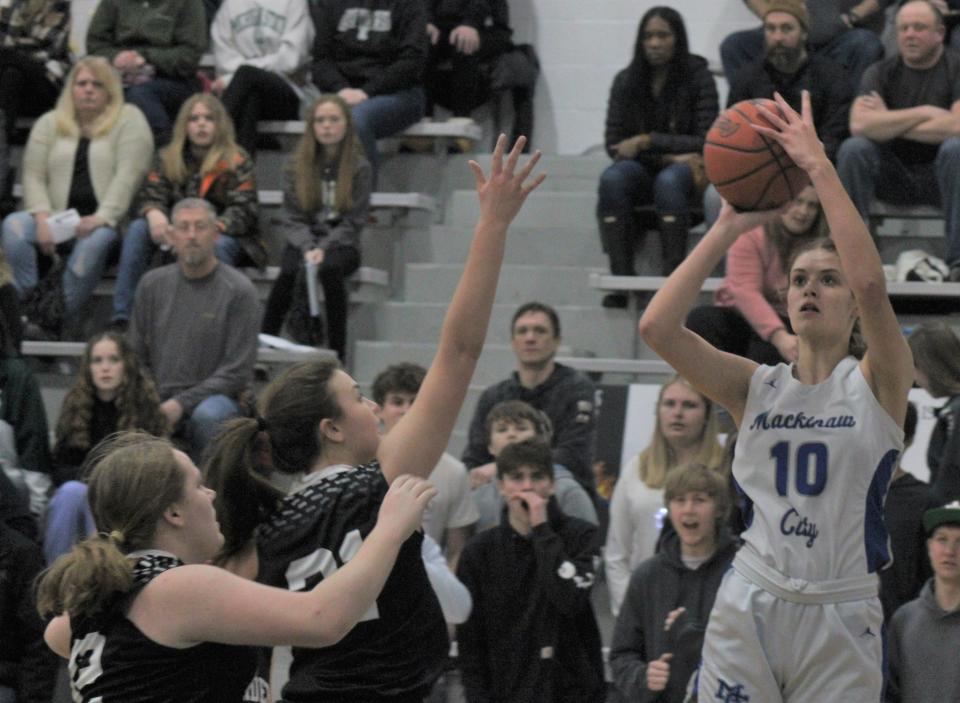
<point>509,422</point>
<point>451,515</point>
<point>532,635</point>
<point>925,633</point>
<point>659,632</point>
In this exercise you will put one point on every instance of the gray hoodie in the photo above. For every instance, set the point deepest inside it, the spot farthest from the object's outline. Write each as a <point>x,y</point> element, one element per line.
<point>924,652</point>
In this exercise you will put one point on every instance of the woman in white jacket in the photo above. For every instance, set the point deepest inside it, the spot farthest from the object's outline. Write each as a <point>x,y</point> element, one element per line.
<point>262,50</point>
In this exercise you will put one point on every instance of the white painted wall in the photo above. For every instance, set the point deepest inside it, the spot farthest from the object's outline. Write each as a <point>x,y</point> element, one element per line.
<point>582,44</point>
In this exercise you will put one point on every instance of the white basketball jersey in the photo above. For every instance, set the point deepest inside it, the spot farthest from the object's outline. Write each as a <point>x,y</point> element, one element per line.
<point>816,462</point>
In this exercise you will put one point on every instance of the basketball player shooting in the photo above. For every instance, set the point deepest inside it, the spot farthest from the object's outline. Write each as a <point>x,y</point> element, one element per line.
<point>798,617</point>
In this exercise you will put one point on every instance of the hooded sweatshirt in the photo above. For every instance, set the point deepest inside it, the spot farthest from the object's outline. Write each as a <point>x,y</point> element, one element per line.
<point>658,586</point>
<point>924,651</point>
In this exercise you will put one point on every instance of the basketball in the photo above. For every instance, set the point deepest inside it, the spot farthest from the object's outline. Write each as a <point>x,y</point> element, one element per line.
<point>751,171</point>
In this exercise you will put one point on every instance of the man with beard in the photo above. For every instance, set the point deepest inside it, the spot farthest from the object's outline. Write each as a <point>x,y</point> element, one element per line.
<point>904,123</point>
<point>194,326</point>
<point>846,31</point>
<point>788,68</point>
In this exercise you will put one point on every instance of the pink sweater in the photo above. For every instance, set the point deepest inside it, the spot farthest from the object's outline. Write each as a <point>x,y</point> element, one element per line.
<point>753,283</point>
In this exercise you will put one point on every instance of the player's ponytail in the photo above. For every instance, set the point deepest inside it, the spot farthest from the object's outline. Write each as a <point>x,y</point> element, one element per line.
<point>134,478</point>
<point>284,438</point>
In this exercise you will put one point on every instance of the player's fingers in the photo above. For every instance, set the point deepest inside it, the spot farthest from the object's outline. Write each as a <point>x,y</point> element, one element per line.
<point>401,481</point>
<point>477,174</point>
<point>528,167</point>
<point>515,152</point>
<point>771,117</point>
<point>427,495</point>
<point>534,184</point>
<point>496,163</point>
<point>788,112</point>
<point>665,657</point>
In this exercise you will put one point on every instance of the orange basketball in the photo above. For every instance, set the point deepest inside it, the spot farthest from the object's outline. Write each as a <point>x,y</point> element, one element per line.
<point>751,171</point>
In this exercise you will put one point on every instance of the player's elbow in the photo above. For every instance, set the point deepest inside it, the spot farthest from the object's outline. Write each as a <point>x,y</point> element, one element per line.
<point>655,331</point>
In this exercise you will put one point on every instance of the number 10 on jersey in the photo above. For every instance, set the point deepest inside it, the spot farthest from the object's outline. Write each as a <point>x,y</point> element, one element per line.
<point>808,465</point>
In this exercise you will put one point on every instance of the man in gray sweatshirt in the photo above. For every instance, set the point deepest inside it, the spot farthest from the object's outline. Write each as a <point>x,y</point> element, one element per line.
<point>925,633</point>
<point>194,326</point>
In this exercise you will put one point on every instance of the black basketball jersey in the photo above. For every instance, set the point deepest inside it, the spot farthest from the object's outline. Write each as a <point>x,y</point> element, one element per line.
<point>399,648</point>
<point>111,660</point>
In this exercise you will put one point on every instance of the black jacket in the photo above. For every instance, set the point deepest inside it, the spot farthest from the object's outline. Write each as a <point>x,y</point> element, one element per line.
<point>907,499</point>
<point>532,635</point>
<point>693,107</point>
<point>659,585</point>
<point>378,46</point>
<point>26,664</point>
<point>567,398</point>
<point>943,454</point>
<point>830,94</point>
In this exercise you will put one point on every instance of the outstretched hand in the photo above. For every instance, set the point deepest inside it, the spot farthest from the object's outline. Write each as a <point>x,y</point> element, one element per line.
<point>740,222</point>
<point>504,192</point>
<point>794,132</point>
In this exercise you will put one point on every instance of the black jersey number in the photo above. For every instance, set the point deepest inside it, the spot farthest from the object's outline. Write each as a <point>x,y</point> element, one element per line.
<point>810,467</point>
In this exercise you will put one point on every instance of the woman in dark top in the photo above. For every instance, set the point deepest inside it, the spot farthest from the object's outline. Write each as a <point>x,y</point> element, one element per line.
<point>111,393</point>
<point>660,109</point>
<point>89,154</point>
<point>143,616</point>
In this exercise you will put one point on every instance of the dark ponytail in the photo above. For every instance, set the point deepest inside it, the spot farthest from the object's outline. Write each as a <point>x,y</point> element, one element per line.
<point>285,437</point>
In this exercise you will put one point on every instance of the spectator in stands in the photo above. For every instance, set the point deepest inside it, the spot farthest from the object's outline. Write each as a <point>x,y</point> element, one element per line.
<point>903,123</point>
<point>450,518</point>
<point>685,431</point>
<point>261,50</point>
<point>659,111</point>
<point>924,636</point>
<point>907,500</point>
<point>845,31</point>
<point>24,440</point>
<point>157,48</point>
<point>28,669</point>
<point>10,317</point>
<point>513,421</point>
<point>33,63</point>
<point>749,316</point>
<point>374,57</point>
<point>194,328</point>
<point>936,356</point>
<point>202,161</point>
<point>563,394</point>
<point>786,67</point>
<point>326,203</point>
<point>532,634</point>
<point>466,38</point>
<point>659,632</point>
<point>88,154</point>
<point>111,394</point>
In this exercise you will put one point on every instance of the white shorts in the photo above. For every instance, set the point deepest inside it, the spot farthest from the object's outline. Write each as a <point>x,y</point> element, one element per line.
<point>764,649</point>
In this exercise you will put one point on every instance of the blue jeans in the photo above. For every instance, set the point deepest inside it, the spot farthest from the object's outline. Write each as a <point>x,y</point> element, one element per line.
<point>384,115</point>
<point>626,184</point>
<point>870,170</point>
<point>69,520</point>
<point>203,424</point>
<point>85,263</point>
<point>137,249</point>
<point>854,50</point>
<point>159,100</point>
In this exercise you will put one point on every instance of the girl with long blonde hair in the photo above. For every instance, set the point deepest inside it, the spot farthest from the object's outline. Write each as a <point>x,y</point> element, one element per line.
<point>203,160</point>
<point>685,430</point>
